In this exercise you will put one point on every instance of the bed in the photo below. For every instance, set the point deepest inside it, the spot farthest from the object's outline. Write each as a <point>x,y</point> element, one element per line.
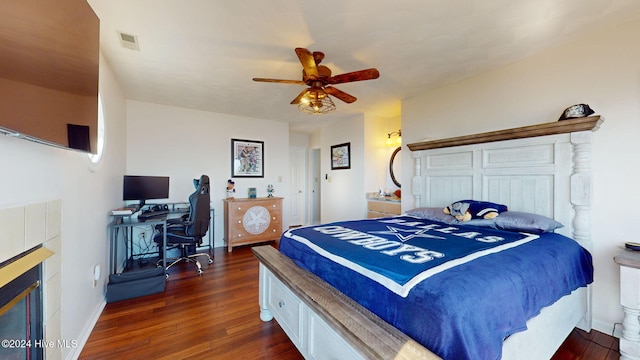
<point>542,169</point>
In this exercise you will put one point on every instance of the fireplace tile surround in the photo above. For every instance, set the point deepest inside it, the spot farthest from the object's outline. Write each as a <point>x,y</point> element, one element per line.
<point>24,227</point>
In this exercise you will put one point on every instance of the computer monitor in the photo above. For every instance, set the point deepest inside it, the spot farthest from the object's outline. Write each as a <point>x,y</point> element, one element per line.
<point>144,188</point>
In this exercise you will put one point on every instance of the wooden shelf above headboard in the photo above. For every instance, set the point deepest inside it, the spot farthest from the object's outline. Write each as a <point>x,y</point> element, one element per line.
<point>565,126</point>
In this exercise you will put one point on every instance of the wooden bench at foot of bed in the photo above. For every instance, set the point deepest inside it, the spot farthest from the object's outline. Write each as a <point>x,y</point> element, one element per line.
<point>321,321</point>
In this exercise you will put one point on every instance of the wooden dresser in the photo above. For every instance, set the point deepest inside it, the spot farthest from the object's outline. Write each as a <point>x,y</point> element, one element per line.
<point>383,207</point>
<point>251,221</point>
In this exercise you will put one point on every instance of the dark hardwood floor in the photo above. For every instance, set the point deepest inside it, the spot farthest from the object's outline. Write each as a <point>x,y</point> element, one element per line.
<point>216,316</point>
<point>588,346</point>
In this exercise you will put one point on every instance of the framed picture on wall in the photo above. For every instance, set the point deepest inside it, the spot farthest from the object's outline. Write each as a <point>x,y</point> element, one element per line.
<point>341,156</point>
<point>247,158</point>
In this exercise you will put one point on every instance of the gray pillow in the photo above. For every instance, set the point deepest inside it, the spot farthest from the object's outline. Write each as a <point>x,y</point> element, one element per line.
<point>432,213</point>
<point>438,214</point>
<point>526,222</point>
<point>508,220</point>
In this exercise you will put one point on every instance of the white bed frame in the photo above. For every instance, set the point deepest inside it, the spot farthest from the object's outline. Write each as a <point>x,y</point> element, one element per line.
<point>543,169</point>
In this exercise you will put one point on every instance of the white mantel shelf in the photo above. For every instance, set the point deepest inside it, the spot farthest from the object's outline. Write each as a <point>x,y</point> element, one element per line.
<point>591,123</point>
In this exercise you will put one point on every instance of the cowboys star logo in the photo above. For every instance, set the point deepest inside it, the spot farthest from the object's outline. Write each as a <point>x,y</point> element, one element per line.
<point>408,234</point>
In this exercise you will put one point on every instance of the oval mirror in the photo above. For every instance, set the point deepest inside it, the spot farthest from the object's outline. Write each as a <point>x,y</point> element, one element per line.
<point>394,166</point>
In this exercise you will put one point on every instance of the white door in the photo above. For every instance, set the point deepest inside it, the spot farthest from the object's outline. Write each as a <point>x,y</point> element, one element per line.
<point>298,164</point>
<point>314,179</point>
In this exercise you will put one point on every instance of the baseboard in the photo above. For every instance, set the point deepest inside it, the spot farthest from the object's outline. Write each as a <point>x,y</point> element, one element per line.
<point>86,332</point>
<point>608,328</point>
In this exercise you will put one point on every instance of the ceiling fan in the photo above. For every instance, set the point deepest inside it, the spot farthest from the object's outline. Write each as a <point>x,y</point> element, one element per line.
<point>315,99</point>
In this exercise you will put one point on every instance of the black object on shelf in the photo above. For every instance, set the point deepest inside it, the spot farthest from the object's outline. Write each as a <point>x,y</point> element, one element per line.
<point>632,246</point>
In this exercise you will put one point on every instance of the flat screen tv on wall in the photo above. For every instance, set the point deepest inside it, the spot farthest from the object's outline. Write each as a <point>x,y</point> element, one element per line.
<point>49,58</point>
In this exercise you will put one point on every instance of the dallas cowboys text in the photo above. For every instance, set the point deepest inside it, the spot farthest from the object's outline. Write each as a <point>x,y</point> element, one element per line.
<point>406,252</point>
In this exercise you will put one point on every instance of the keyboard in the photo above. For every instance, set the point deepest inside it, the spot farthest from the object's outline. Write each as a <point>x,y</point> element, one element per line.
<point>152,214</point>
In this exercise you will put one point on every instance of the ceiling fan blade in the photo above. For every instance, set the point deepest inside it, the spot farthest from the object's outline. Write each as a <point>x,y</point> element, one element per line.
<point>299,97</point>
<point>308,62</point>
<point>297,82</point>
<point>368,74</point>
<point>340,94</point>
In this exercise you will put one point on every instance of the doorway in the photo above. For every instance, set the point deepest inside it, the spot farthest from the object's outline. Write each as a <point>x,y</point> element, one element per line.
<point>315,186</point>
<point>297,194</point>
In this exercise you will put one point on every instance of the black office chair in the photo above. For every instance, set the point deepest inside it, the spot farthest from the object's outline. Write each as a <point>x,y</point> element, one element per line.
<point>187,233</point>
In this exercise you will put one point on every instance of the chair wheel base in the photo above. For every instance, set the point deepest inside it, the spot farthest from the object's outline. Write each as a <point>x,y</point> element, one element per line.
<point>187,258</point>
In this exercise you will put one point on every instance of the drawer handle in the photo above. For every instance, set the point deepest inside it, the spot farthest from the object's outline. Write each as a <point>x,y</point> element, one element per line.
<point>281,304</point>
<point>239,221</point>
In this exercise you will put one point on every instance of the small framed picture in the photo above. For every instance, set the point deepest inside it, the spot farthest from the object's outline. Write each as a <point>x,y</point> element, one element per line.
<point>247,158</point>
<point>341,156</point>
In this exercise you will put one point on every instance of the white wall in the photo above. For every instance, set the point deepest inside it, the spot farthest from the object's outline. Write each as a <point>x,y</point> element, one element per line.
<point>184,144</point>
<point>376,155</point>
<point>35,173</point>
<point>343,190</point>
<point>299,140</point>
<point>602,70</point>
<point>391,125</point>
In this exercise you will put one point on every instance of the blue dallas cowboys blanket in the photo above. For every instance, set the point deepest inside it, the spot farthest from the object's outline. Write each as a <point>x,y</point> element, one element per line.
<point>458,290</point>
<point>400,252</point>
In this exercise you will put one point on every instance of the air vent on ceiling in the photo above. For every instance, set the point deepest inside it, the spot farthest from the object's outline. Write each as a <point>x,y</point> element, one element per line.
<point>129,41</point>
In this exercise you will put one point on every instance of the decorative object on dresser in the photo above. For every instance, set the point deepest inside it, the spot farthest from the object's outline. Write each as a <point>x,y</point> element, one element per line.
<point>251,221</point>
<point>247,158</point>
<point>231,191</point>
<point>629,262</point>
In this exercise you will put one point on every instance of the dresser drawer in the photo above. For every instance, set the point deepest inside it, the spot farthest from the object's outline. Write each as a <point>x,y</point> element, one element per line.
<point>377,206</point>
<point>286,308</point>
<point>324,343</point>
<point>239,209</point>
<point>238,235</point>
<point>392,208</point>
<point>383,208</point>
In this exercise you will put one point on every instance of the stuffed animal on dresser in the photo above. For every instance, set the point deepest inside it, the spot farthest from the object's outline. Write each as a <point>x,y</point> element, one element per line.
<point>231,191</point>
<point>465,210</point>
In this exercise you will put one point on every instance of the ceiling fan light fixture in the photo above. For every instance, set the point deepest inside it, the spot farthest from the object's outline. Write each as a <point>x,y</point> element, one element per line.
<point>316,101</point>
<point>304,101</point>
<point>316,105</point>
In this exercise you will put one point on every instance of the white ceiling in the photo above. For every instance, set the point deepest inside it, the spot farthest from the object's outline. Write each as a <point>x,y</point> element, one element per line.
<point>203,54</point>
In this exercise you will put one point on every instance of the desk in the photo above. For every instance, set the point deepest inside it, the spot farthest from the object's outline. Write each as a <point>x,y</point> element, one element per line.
<point>123,225</point>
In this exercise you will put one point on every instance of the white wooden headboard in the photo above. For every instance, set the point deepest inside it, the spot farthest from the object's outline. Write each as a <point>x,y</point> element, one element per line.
<point>543,169</point>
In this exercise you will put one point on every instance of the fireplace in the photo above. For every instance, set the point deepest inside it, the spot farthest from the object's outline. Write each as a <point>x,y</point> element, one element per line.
<point>31,239</point>
<point>21,306</point>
